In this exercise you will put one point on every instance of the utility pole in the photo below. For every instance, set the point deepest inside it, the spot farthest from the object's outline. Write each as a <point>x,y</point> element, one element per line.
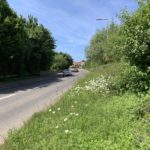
<point>103,19</point>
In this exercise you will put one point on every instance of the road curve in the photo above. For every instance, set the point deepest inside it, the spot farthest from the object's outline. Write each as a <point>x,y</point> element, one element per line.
<point>18,102</point>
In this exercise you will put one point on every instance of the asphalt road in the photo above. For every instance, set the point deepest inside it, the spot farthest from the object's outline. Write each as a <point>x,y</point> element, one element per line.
<point>20,100</point>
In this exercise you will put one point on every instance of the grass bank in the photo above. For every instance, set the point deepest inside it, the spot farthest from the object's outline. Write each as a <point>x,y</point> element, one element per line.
<point>88,117</point>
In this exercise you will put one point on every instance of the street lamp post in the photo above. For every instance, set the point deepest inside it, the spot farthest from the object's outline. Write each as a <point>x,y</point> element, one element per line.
<point>103,19</point>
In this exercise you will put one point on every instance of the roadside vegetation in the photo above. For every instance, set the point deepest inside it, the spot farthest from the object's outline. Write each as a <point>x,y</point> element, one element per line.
<point>110,108</point>
<point>89,116</point>
<point>128,43</point>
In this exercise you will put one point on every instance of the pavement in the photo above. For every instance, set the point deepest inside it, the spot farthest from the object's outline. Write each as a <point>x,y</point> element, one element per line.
<point>20,100</point>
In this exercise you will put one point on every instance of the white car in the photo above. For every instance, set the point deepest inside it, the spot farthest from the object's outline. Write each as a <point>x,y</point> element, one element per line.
<point>67,72</point>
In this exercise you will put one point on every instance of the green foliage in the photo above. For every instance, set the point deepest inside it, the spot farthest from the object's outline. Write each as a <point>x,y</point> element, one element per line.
<point>141,114</point>
<point>105,45</point>
<point>11,34</point>
<point>40,45</point>
<point>130,40</point>
<point>133,80</point>
<point>25,46</point>
<point>61,61</point>
<point>95,50</point>
<point>143,110</point>
<point>136,31</point>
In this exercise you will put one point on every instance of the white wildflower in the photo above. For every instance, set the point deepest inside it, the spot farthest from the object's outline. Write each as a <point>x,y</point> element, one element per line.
<point>71,114</point>
<point>57,127</point>
<point>50,110</point>
<point>58,109</point>
<point>72,106</point>
<point>53,112</point>
<point>65,119</point>
<point>86,105</point>
<point>66,131</point>
<point>87,88</point>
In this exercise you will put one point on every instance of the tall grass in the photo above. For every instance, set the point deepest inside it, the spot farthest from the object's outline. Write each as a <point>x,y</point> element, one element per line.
<point>87,120</point>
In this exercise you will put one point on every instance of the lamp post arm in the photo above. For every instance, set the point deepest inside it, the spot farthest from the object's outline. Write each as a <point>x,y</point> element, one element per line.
<point>101,19</point>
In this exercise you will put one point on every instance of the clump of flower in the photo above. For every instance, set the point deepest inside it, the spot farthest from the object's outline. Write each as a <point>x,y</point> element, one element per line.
<point>74,114</point>
<point>71,113</point>
<point>78,89</point>
<point>99,84</point>
<point>67,131</point>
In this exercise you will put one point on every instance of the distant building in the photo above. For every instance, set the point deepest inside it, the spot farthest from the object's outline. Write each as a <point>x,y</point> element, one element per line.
<point>79,64</point>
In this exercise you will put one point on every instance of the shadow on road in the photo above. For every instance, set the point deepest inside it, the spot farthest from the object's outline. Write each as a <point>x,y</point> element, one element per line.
<point>24,85</point>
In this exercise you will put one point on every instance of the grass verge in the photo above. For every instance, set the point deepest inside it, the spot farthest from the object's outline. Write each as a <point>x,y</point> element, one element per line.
<point>88,117</point>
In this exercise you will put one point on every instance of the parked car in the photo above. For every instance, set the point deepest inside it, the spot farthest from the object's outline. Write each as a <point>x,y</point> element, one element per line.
<point>67,72</point>
<point>74,69</point>
<point>71,69</point>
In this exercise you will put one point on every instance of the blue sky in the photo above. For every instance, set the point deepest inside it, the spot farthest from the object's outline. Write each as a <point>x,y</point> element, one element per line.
<point>72,22</point>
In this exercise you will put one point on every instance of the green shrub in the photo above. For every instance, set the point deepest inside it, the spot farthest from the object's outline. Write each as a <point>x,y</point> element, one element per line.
<point>141,119</point>
<point>143,110</point>
<point>132,79</point>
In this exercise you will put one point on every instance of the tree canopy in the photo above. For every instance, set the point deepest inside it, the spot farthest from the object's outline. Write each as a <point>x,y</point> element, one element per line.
<point>104,45</point>
<point>26,47</point>
<point>137,37</point>
<point>62,61</point>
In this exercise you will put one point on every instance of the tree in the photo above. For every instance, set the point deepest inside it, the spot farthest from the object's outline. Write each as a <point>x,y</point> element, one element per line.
<point>11,40</point>
<point>105,45</point>
<point>68,59</point>
<point>40,45</point>
<point>62,61</point>
<point>137,35</point>
<point>47,47</point>
<point>95,49</point>
<point>25,46</point>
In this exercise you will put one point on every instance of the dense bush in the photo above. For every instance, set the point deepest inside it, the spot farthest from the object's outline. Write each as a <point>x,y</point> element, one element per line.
<point>132,79</point>
<point>61,61</point>
<point>136,49</point>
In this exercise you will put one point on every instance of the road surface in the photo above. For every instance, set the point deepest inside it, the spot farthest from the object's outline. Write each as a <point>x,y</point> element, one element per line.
<point>19,101</point>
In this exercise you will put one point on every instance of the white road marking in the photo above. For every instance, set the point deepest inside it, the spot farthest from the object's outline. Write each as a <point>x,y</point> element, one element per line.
<point>7,96</point>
